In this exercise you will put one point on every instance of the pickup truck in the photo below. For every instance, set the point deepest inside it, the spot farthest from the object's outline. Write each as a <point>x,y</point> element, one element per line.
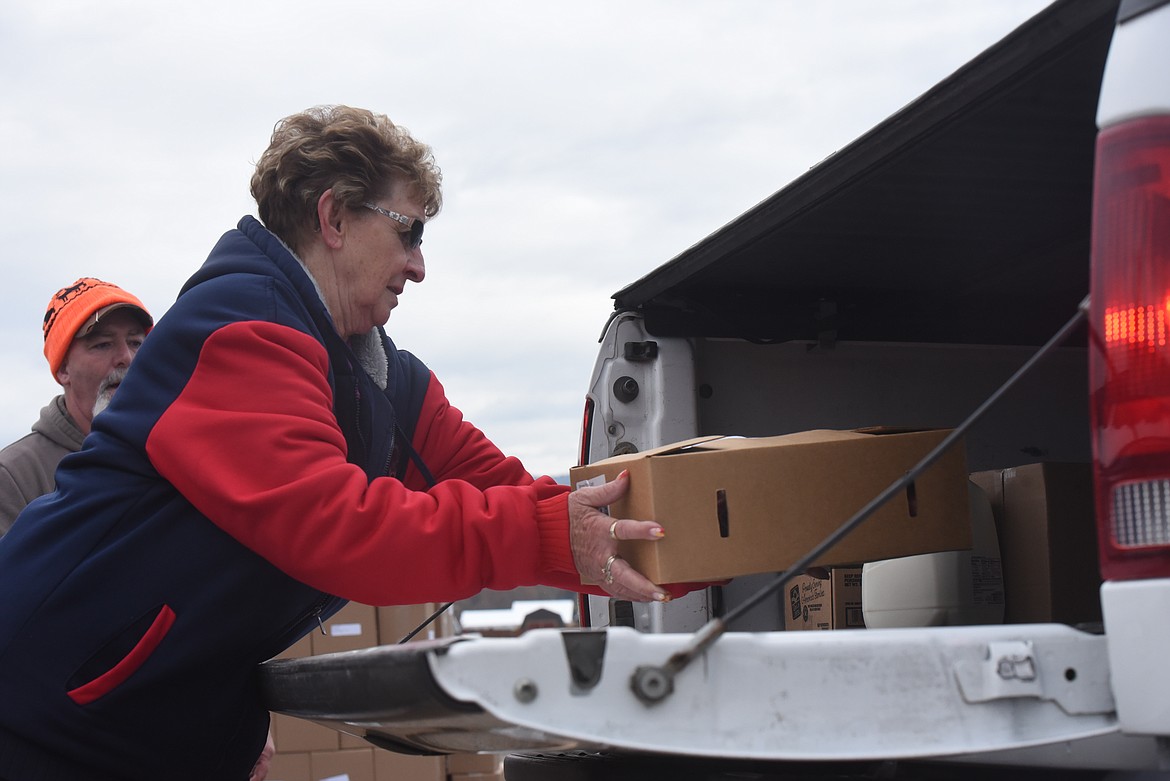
<point>993,257</point>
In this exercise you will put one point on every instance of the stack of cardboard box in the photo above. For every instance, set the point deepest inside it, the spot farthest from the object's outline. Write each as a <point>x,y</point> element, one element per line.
<point>374,764</point>
<point>742,505</point>
<point>816,602</point>
<point>1044,518</point>
<point>1047,527</point>
<point>306,751</point>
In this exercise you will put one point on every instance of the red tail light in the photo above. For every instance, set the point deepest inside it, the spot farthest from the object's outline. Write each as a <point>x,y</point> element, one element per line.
<point>583,617</point>
<point>1129,360</point>
<point>586,432</point>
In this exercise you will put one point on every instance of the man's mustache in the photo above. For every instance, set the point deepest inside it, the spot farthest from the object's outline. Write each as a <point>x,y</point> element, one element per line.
<point>106,389</point>
<point>113,379</point>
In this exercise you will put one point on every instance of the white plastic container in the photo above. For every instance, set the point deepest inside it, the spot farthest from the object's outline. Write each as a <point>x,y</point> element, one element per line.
<point>939,589</point>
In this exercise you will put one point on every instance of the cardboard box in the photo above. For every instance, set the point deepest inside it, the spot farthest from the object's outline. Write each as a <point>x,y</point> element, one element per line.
<point>825,603</point>
<point>1045,519</point>
<point>289,767</point>
<point>392,766</point>
<point>292,735</point>
<point>354,626</point>
<point>737,506</point>
<point>351,764</point>
<point>345,740</point>
<point>397,621</point>
<point>475,763</point>
<point>302,647</point>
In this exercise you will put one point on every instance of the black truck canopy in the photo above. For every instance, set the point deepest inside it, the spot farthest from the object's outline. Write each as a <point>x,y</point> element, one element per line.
<point>963,218</point>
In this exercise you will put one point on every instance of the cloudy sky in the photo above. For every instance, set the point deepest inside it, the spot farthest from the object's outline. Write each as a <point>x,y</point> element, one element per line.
<point>582,144</point>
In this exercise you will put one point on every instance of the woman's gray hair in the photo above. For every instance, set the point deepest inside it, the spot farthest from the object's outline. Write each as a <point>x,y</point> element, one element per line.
<point>357,153</point>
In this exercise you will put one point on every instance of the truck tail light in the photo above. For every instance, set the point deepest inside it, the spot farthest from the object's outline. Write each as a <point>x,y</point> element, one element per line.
<point>583,615</point>
<point>586,432</point>
<point>1129,356</point>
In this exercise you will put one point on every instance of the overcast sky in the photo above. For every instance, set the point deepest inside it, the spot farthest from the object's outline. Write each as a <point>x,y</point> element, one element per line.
<point>582,145</point>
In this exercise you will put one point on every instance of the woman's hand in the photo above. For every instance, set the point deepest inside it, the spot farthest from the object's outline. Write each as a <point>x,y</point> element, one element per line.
<point>594,536</point>
<point>260,769</point>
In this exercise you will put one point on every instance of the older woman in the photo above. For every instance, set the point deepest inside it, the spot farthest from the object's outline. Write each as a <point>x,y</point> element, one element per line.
<point>270,455</point>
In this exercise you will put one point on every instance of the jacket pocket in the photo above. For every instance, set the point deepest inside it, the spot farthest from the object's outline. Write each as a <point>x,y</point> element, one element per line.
<point>121,657</point>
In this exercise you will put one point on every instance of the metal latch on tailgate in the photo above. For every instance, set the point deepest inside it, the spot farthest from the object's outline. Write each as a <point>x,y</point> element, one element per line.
<point>1070,674</point>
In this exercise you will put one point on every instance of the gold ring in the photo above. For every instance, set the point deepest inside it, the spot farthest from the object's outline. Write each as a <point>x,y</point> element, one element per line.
<point>607,570</point>
<point>613,531</point>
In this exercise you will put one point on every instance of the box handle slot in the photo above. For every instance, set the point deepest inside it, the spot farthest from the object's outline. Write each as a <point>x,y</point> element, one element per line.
<point>721,511</point>
<point>911,499</point>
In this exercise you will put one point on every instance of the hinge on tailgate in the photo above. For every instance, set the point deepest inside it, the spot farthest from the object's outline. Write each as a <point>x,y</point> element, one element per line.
<point>585,652</point>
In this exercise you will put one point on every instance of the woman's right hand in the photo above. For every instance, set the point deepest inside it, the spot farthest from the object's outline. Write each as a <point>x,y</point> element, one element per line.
<point>594,536</point>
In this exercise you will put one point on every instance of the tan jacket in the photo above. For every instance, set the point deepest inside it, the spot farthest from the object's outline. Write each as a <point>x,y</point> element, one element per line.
<point>28,465</point>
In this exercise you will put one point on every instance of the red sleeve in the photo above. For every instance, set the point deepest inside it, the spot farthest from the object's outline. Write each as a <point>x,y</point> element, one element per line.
<point>454,449</point>
<point>252,443</point>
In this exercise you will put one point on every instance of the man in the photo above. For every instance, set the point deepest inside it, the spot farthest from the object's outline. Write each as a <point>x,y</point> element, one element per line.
<point>93,330</point>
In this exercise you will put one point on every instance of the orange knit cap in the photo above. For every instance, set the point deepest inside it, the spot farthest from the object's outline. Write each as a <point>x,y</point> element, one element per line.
<point>73,311</point>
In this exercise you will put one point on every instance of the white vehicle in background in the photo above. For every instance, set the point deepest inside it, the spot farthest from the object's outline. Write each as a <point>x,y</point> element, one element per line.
<point>950,257</point>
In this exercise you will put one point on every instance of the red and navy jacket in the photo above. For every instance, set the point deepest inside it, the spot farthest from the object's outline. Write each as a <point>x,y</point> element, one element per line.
<point>246,480</point>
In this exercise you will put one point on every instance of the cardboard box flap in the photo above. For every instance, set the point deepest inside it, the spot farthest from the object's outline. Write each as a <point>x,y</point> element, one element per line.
<point>697,443</point>
<point>782,440</point>
<point>725,442</point>
<point>673,447</point>
<point>892,430</point>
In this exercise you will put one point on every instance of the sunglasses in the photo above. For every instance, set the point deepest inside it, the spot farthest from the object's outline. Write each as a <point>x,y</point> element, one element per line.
<point>411,239</point>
